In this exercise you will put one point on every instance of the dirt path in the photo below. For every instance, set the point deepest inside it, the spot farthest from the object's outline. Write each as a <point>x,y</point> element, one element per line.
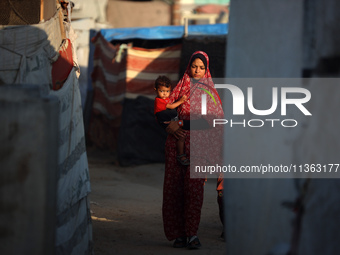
<point>126,211</point>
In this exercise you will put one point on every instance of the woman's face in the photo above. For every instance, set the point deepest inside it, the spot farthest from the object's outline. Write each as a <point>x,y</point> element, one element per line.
<point>197,69</point>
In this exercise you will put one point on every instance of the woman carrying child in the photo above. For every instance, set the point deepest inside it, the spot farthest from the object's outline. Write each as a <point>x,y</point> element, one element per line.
<point>183,193</point>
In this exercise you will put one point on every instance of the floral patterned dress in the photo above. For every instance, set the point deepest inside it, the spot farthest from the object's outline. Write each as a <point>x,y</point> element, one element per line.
<point>183,192</point>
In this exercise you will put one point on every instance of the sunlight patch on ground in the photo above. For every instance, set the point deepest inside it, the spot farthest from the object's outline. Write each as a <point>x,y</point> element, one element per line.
<point>103,219</point>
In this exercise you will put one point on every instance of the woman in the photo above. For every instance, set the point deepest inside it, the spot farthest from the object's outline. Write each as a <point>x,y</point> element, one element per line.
<point>183,189</point>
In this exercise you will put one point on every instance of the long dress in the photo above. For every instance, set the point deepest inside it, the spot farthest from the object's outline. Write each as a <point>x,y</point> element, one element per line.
<point>183,193</point>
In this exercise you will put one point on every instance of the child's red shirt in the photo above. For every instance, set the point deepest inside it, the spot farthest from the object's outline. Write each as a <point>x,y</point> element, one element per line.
<point>160,104</point>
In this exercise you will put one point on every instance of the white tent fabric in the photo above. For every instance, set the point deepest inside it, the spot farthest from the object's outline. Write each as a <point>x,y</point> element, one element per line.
<point>28,51</point>
<point>74,183</point>
<point>74,228</point>
<point>27,54</point>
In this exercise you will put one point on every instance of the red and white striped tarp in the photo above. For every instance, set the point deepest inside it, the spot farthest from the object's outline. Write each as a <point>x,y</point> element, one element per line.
<point>108,78</point>
<point>119,73</point>
<point>108,94</point>
<point>145,65</point>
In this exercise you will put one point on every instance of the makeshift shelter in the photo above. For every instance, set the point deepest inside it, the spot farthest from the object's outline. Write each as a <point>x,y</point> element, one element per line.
<point>125,63</point>
<point>40,57</point>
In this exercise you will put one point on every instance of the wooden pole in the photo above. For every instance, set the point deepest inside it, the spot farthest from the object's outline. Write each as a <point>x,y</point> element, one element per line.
<point>41,10</point>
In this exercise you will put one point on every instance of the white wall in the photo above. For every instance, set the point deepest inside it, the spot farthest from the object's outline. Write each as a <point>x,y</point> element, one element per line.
<point>90,9</point>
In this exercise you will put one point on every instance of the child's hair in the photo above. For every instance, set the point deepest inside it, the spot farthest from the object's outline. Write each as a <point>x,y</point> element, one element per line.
<point>162,81</point>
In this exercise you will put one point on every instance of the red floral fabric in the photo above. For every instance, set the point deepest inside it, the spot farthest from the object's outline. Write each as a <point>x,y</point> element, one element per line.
<point>182,192</point>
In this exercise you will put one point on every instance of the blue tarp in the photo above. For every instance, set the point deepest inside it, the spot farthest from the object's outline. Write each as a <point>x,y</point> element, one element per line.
<point>162,32</point>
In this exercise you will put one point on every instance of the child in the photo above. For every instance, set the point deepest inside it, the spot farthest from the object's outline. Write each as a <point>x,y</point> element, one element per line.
<point>165,112</point>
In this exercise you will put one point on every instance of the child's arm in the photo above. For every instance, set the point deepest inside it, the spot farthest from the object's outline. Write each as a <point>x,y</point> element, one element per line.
<point>178,103</point>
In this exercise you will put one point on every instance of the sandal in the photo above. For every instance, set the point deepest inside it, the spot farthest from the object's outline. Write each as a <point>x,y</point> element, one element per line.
<point>194,243</point>
<point>180,242</point>
<point>185,161</point>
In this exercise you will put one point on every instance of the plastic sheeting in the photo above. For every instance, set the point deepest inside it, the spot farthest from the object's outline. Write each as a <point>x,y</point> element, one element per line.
<point>163,32</point>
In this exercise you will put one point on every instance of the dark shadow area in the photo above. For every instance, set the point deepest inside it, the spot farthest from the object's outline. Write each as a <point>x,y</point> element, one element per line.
<point>149,44</point>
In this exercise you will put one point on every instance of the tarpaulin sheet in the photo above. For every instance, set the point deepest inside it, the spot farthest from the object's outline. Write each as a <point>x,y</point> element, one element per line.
<point>145,65</point>
<point>108,82</point>
<point>163,32</point>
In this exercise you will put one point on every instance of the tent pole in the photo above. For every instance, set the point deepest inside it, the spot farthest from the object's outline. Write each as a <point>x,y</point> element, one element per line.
<point>185,27</point>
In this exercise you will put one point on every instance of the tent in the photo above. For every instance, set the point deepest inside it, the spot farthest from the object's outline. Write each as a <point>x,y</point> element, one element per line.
<point>123,65</point>
<point>55,218</point>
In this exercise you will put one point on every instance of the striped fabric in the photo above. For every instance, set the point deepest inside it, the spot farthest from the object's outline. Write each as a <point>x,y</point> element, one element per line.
<point>145,65</point>
<point>74,229</point>
<point>108,81</point>
<point>118,74</point>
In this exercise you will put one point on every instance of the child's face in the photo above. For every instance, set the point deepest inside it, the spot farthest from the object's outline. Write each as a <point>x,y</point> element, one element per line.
<point>163,92</point>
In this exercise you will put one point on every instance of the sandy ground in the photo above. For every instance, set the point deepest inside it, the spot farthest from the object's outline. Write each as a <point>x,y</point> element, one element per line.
<point>126,208</point>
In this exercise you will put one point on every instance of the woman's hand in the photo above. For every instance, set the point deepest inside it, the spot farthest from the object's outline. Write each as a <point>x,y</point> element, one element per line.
<point>174,129</point>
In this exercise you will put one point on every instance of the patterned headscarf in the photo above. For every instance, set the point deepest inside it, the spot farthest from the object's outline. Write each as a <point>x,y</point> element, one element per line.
<point>187,86</point>
<point>206,144</point>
